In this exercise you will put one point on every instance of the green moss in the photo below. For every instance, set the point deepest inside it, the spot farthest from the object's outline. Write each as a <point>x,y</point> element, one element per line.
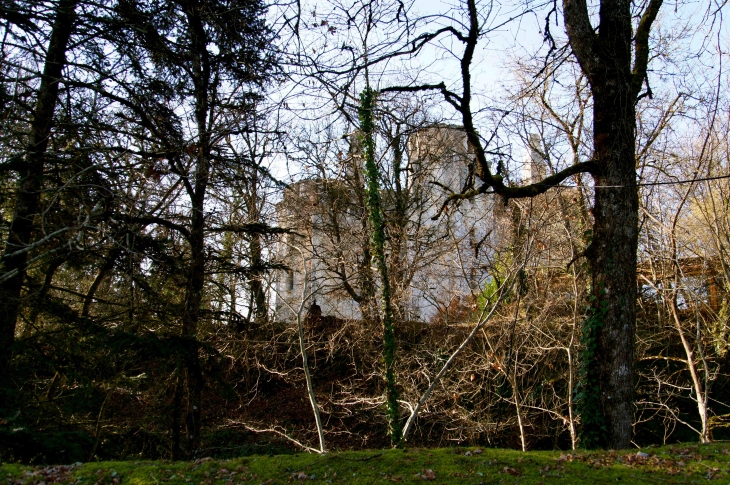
<point>679,464</point>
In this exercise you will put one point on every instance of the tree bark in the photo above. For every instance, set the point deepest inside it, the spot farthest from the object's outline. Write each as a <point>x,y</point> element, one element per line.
<point>256,283</point>
<point>612,259</point>
<point>31,178</point>
<point>176,414</point>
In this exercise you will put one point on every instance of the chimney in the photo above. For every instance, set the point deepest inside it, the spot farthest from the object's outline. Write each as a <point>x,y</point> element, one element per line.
<point>534,169</point>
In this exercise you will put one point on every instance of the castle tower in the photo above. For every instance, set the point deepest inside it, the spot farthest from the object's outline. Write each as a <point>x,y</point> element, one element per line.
<point>438,154</point>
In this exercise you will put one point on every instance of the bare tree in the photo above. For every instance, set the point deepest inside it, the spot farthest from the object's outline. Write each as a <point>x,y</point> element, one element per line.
<point>308,295</point>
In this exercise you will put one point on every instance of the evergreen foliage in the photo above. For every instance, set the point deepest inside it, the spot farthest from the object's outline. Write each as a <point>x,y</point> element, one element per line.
<point>588,389</point>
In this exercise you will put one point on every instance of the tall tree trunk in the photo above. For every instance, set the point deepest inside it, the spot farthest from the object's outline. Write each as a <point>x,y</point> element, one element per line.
<point>366,299</point>
<point>176,413</point>
<point>31,178</point>
<point>196,272</point>
<point>191,311</point>
<point>256,284</point>
<point>399,227</point>
<point>609,330</point>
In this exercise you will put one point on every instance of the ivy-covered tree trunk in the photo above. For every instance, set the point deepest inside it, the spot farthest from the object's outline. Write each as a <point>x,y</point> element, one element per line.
<point>30,181</point>
<point>377,242</point>
<point>610,329</point>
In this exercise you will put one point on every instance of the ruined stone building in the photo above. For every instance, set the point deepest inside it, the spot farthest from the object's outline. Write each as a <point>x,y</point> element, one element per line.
<point>434,264</point>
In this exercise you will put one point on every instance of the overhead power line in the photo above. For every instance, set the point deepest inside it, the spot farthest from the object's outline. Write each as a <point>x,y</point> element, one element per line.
<point>648,184</point>
<point>675,182</point>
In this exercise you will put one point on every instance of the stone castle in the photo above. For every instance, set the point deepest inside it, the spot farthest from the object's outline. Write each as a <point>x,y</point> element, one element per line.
<point>438,265</point>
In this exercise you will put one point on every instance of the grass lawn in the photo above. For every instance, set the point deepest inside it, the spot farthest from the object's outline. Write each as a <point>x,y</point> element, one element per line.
<point>677,464</point>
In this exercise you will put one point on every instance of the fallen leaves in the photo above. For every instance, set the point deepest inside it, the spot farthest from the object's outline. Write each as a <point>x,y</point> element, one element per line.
<point>302,476</point>
<point>512,471</point>
<point>563,457</point>
<point>46,475</point>
<point>426,474</point>
<point>677,461</point>
<point>711,473</point>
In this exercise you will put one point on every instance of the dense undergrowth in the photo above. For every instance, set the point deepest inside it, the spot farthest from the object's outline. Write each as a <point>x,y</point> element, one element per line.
<point>74,403</point>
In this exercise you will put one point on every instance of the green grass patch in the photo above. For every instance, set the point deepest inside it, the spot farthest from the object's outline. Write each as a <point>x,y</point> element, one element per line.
<point>677,464</point>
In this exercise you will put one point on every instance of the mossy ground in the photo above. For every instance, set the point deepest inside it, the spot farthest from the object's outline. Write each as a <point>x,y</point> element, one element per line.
<point>678,464</point>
